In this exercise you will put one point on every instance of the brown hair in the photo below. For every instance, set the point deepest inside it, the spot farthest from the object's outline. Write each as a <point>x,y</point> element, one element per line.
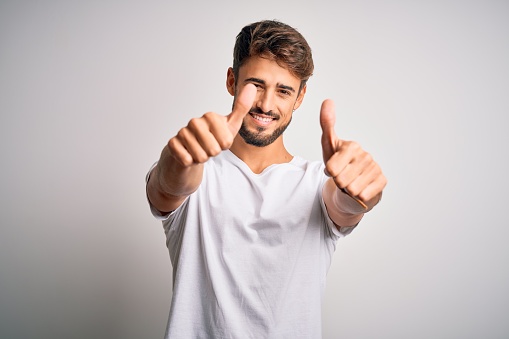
<point>277,41</point>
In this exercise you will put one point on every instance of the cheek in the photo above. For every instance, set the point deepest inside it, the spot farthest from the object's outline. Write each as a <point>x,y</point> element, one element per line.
<point>286,108</point>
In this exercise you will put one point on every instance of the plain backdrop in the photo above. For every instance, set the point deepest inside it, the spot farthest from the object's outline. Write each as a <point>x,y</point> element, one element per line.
<point>90,92</point>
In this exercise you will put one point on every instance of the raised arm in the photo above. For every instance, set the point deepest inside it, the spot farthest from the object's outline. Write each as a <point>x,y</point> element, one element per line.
<point>179,170</point>
<point>356,182</point>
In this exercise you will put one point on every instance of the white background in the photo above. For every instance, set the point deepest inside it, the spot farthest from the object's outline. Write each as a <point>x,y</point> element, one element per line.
<point>90,91</point>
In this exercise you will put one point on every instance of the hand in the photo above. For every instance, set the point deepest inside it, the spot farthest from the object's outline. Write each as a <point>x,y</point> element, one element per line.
<point>353,170</point>
<point>208,135</point>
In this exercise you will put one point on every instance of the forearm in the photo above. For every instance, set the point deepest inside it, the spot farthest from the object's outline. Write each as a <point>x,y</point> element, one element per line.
<point>170,183</point>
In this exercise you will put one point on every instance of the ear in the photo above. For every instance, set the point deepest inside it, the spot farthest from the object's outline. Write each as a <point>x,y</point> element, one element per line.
<point>302,93</point>
<point>230,81</point>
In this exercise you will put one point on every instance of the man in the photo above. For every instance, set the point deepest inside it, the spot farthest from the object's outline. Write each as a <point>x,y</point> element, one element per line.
<point>250,228</point>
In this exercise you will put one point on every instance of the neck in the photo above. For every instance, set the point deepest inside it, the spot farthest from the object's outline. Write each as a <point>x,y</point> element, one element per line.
<point>259,158</point>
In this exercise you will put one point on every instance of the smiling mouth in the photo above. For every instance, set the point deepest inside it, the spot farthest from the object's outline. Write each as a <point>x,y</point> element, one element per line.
<point>262,118</point>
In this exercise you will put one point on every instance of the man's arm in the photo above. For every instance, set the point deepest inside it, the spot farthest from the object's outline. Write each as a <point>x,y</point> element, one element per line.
<point>170,182</point>
<point>356,180</point>
<point>179,170</point>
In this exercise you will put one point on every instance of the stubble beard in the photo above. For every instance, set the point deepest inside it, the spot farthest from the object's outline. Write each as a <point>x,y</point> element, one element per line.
<point>258,139</point>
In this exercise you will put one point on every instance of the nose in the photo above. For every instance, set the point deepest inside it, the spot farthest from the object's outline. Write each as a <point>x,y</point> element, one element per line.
<point>265,101</point>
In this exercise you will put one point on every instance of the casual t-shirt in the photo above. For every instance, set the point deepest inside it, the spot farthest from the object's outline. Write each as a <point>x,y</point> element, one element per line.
<point>250,252</point>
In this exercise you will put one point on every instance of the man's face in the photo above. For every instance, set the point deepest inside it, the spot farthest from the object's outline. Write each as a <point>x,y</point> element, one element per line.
<point>278,95</point>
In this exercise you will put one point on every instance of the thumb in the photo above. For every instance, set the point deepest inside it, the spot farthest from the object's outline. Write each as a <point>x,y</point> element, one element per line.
<point>241,106</point>
<point>327,121</point>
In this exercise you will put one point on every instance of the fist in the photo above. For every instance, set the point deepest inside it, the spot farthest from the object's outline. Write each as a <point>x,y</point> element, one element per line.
<point>212,133</point>
<point>353,170</point>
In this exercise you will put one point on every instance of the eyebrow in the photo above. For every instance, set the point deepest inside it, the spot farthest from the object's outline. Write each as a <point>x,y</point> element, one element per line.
<point>262,82</point>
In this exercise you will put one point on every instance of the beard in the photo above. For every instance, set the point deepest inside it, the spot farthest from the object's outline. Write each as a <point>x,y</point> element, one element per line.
<point>259,139</point>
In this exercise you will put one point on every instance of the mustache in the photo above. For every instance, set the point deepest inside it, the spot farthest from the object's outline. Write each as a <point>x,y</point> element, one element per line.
<point>258,110</point>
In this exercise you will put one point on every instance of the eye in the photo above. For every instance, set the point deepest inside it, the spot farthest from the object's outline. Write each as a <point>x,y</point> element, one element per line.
<point>285,92</point>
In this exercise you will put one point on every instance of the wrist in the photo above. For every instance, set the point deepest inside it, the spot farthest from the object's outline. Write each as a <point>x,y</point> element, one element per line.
<point>341,208</point>
<point>348,205</point>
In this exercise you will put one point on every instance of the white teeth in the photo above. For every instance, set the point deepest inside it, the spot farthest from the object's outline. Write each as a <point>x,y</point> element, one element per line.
<point>262,119</point>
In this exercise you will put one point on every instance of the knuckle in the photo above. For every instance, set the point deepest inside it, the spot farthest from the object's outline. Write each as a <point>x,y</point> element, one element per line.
<point>182,133</point>
<point>354,189</point>
<point>346,143</point>
<point>213,150</point>
<point>330,168</point>
<point>355,145</point>
<point>368,158</point>
<point>184,158</point>
<point>226,142</point>
<point>352,146</point>
<point>352,192</point>
<point>194,123</point>
<point>201,158</point>
<point>366,196</point>
<point>209,116</point>
<point>339,182</point>
<point>172,143</point>
<point>187,161</point>
<point>375,170</point>
<point>344,179</point>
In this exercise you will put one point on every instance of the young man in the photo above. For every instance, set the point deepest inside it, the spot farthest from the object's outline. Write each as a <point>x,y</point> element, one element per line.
<point>250,228</point>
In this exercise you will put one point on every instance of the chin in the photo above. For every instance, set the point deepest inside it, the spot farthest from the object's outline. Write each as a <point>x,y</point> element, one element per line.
<point>258,139</point>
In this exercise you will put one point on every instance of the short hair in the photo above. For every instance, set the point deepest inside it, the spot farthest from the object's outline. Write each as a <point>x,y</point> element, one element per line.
<point>276,41</point>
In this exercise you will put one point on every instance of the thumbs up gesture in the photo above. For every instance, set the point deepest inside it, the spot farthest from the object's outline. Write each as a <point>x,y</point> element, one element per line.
<point>353,169</point>
<point>208,135</point>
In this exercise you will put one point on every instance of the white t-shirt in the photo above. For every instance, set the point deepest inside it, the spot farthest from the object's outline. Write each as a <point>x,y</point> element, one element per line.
<point>250,252</point>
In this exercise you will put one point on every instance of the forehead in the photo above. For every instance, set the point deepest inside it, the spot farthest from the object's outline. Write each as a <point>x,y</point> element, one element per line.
<point>269,71</point>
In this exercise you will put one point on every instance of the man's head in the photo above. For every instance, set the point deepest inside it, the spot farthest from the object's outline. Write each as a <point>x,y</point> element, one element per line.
<point>275,41</point>
<point>277,60</point>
